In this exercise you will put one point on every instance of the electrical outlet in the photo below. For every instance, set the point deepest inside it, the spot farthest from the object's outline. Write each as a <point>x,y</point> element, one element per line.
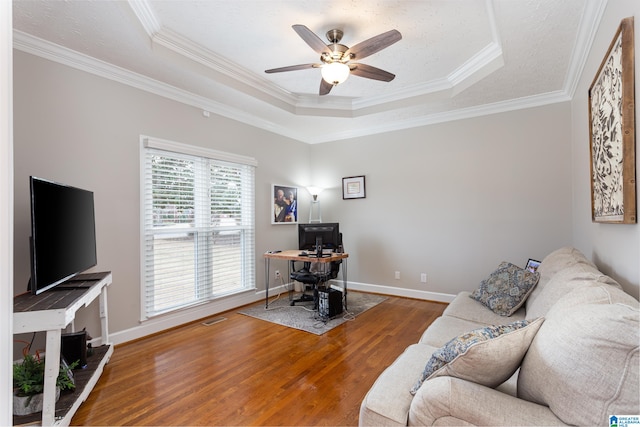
<point>277,274</point>
<point>397,275</point>
<point>423,277</point>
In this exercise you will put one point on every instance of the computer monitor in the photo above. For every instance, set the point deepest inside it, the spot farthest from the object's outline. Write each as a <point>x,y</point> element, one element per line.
<point>329,232</point>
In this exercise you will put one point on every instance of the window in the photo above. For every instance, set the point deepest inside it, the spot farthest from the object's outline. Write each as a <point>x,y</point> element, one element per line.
<point>197,225</point>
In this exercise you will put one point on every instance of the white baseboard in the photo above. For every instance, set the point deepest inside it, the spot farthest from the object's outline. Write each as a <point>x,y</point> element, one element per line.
<point>172,320</point>
<point>398,292</point>
<point>221,305</point>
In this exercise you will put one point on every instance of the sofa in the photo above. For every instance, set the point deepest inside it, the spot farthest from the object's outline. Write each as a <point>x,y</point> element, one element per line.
<point>562,350</point>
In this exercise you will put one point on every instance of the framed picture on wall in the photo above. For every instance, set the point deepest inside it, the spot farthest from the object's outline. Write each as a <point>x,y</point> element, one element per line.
<point>353,187</point>
<point>612,132</point>
<point>532,265</point>
<point>284,204</point>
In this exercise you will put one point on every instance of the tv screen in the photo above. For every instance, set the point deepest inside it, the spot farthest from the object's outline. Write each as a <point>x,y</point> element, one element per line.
<point>63,233</point>
<point>328,231</point>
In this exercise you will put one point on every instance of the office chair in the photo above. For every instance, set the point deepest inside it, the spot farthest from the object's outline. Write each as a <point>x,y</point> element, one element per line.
<point>312,280</point>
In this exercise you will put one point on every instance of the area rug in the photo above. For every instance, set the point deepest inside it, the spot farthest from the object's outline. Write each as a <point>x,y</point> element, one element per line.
<point>300,316</point>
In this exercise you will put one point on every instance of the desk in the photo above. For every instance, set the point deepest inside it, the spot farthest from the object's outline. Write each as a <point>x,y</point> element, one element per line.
<point>294,255</point>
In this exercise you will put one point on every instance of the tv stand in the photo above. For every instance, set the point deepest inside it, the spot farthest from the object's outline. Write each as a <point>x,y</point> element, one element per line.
<point>64,287</point>
<point>52,312</point>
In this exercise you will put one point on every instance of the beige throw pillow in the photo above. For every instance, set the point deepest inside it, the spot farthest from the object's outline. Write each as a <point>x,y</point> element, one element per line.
<point>487,356</point>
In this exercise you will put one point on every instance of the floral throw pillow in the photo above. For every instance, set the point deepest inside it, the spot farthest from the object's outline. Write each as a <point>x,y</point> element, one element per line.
<point>487,356</point>
<point>506,289</point>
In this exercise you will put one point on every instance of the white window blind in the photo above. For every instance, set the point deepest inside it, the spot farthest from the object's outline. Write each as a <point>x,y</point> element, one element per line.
<point>198,225</point>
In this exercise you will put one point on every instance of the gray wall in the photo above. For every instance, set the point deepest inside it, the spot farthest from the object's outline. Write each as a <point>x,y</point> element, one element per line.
<point>452,200</point>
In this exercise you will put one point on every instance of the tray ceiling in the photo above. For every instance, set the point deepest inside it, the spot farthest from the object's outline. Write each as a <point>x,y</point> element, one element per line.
<point>456,59</point>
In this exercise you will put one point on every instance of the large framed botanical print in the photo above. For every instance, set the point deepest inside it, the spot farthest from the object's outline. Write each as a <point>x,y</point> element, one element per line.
<point>612,132</point>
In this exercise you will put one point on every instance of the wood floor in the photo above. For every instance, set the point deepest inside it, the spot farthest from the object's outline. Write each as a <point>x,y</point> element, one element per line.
<point>245,371</point>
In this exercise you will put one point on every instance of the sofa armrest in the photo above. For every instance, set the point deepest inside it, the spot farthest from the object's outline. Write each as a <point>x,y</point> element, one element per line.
<point>453,401</point>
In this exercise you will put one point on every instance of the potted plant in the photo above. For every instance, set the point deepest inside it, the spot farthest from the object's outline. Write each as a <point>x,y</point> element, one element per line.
<point>28,383</point>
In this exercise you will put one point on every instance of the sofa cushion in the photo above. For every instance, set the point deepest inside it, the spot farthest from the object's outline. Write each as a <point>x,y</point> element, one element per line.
<point>447,401</point>
<point>506,289</point>
<point>564,281</point>
<point>487,356</point>
<point>552,264</point>
<point>445,328</point>
<point>387,402</point>
<point>584,361</point>
<point>472,310</point>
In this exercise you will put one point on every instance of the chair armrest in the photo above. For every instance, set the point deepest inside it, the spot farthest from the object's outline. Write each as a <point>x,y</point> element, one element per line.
<point>453,401</point>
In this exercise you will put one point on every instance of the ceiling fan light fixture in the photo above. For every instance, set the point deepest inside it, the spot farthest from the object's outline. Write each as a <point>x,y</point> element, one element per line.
<point>335,58</point>
<point>335,72</point>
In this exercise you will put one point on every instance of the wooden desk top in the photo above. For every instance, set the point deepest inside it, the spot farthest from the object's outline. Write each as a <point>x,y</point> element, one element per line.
<point>294,255</point>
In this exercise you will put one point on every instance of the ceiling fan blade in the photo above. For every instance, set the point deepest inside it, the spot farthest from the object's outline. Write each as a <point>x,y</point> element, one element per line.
<point>374,44</point>
<point>291,68</point>
<point>325,87</point>
<point>311,39</point>
<point>369,72</point>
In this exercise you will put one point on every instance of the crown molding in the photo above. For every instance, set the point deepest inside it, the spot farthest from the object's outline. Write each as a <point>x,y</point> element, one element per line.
<point>589,24</point>
<point>447,116</point>
<point>56,53</point>
<point>478,66</point>
<point>53,52</point>
<point>194,52</point>
<point>235,75</point>
<point>145,15</point>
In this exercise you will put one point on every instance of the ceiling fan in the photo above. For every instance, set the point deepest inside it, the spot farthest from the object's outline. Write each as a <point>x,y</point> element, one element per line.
<point>336,65</point>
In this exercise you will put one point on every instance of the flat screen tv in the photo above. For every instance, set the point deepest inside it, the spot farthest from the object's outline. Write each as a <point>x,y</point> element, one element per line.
<point>63,233</point>
<point>329,232</point>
